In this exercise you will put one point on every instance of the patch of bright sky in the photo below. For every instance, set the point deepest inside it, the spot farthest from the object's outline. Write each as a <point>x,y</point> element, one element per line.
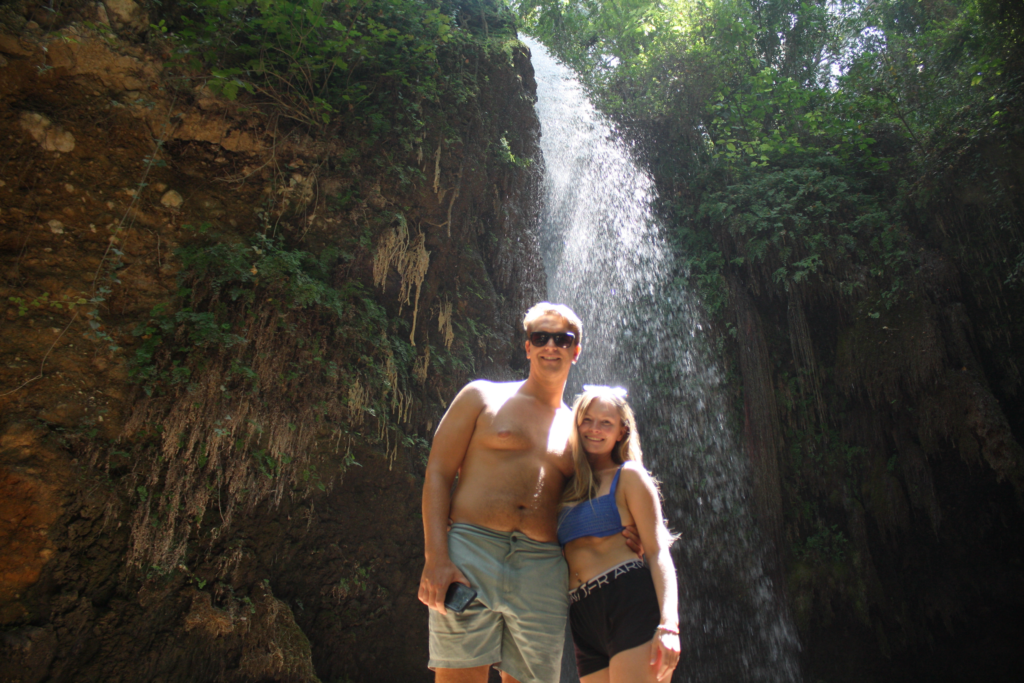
<point>856,32</point>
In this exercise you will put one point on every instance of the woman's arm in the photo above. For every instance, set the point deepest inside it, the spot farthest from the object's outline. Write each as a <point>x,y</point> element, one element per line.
<point>644,506</point>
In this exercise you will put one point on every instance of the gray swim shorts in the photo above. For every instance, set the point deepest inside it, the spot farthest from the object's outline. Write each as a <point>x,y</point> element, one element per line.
<point>518,620</point>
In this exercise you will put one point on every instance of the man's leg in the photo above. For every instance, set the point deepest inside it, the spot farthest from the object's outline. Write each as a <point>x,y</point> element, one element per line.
<point>476,674</point>
<point>536,609</point>
<point>463,646</point>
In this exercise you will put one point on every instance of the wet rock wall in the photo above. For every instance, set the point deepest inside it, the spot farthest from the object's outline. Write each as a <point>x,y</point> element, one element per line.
<point>108,169</point>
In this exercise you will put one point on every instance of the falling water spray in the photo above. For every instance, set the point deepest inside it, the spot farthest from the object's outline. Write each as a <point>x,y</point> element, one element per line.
<point>607,257</point>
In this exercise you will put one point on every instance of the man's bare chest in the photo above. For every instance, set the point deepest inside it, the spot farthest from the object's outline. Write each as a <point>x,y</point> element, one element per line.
<point>543,435</point>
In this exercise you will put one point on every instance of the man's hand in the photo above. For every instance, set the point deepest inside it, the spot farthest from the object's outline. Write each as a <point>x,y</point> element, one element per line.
<point>434,582</point>
<point>633,540</point>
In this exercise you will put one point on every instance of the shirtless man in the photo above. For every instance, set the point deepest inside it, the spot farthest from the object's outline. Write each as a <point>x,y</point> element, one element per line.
<point>507,443</point>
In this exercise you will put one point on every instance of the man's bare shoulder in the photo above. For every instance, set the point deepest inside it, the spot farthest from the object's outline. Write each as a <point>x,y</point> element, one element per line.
<point>487,390</point>
<point>479,394</point>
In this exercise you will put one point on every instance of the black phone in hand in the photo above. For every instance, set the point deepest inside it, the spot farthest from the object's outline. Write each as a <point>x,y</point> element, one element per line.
<point>458,597</point>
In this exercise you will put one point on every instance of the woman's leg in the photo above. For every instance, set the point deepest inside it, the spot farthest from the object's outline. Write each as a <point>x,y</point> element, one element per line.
<point>596,677</point>
<point>633,666</point>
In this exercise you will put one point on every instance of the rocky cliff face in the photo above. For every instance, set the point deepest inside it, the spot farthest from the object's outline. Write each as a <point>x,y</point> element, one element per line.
<point>225,344</point>
<point>879,396</point>
<point>886,439</point>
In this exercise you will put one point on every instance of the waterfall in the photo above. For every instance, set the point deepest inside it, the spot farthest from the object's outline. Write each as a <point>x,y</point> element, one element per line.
<point>607,257</point>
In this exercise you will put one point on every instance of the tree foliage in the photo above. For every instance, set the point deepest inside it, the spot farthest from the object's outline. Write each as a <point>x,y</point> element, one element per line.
<point>875,95</point>
<point>371,65</point>
<point>813,155</point>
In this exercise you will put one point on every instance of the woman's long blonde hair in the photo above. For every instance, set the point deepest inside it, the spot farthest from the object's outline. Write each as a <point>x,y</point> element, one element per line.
<point>582,485</point>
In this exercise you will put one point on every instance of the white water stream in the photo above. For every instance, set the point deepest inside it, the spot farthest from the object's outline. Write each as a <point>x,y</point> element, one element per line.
<point>606,256</point>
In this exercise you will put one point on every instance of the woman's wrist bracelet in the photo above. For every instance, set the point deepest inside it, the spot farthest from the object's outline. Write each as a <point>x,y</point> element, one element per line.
<point>668,629</point>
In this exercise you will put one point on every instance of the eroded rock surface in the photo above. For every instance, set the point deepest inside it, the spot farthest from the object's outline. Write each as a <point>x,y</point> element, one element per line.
<point>106,175</point>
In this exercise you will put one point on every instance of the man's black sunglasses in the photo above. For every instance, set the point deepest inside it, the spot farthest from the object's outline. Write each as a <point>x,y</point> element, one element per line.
<point>563,340</point>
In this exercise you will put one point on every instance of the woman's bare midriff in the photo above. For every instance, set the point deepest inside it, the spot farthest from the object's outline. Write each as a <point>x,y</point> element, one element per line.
<point>591,556</point>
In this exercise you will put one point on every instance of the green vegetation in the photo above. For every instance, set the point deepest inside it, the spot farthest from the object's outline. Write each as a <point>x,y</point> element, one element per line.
<point>279,359</point>
<point>821,159</point>
<point>44,300</point>
<point>222,281</point>
<point>779,101</point>
<point>372,70</point>
<point>313,59</point>
<point>264,356</point>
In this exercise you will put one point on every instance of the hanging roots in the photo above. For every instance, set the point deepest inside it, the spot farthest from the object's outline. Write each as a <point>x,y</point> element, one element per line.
<point>419,369</point>
<point>401,403</point>
<point>444,323</point>
<point>410,260</point>
<point>358,399</point>
<point>392,245</point>
<point>414,267</point>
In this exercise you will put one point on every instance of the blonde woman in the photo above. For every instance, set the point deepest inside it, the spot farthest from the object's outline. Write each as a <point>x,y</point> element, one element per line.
<point>623,611</point>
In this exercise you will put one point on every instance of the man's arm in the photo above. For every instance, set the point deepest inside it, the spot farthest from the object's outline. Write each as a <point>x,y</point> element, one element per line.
<point>451,442</point>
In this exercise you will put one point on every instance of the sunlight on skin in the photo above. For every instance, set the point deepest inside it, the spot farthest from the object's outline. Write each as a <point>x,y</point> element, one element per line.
<point>540,484</point>
<point>559,435</point>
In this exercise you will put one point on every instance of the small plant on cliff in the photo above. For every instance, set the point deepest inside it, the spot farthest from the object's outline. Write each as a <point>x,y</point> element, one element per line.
<point>44,300</point>
<point>826,545</point>
<point>504,153</point>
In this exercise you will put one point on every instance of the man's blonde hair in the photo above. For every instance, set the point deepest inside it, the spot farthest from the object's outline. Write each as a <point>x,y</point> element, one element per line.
<point>561,310</point>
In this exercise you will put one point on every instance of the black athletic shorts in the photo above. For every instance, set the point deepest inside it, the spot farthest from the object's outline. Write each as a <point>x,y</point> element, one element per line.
<point>611,613</point>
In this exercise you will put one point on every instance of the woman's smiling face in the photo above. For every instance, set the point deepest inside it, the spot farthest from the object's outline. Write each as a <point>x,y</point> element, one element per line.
<point>601,428</point>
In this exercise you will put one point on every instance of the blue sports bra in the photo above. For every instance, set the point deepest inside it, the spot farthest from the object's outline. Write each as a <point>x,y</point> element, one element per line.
<point>595,517</point>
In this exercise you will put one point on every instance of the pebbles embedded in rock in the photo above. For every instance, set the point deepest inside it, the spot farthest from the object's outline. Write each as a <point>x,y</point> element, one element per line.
<point>50,137</point>
<point>58,140</point>
<point>212,207</point>
<point>126,12</point>
<point>35,124</point>
<point>56,227</point>
<point>171,199</point>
